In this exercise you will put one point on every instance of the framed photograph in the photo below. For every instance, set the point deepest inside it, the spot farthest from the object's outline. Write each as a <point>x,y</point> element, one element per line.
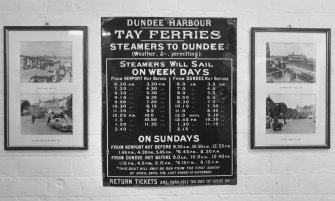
<point>45,88</point>
<point>290,88</point>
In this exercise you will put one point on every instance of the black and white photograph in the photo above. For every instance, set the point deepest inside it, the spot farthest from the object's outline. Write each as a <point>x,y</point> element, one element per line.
<point>290,63</point>
<point>46,61</point>
<point>290,114</point>
<point>290,104</point>
<point>46,114</point>
<point>42,97</point>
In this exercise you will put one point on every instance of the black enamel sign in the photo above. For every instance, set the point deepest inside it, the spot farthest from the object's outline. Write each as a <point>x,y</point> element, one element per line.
<point>169,101</point>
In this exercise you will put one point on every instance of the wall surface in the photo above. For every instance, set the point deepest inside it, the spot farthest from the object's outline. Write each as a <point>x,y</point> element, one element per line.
<point>263,175</point>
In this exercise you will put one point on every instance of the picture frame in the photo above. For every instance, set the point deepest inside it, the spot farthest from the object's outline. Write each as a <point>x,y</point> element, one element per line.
<point>45,84</point>
<point>290,88</point>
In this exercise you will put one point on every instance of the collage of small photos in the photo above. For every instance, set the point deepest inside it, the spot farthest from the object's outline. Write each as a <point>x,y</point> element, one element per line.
<point>47,63</point>
<point>290,64</point>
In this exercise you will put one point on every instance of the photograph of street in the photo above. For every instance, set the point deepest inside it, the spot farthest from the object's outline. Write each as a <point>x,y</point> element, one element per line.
<point>290,114</point>
<point>290,63</point>
<point>46,61</point>
<point>46,114</point>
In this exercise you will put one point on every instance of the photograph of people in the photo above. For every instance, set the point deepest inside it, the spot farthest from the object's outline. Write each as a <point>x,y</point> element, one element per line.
<point>46,114</point>
<point>290,114</point>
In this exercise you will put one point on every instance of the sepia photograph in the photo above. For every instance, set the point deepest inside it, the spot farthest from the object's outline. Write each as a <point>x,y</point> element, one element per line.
<point>290,114</point>
<point>46,61</point>
<point>290,62</point>
<point>46,114</point>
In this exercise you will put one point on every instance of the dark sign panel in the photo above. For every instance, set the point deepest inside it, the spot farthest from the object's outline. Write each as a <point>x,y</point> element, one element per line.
<point>169,101</point>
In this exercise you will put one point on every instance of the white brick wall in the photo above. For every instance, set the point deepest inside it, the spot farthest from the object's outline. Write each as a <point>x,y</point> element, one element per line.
<point>263,175</point>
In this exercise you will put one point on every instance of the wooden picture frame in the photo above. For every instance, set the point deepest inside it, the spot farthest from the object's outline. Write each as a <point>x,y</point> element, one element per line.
<point>290,81</point>
<point>45,74</point>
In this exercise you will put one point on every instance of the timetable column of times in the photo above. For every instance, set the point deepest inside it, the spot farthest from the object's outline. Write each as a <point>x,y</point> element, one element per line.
<point>123,105</point>
<point>198,104</point>
<point>185,116</point>
<point>214,108</point>
<point>156,92</point>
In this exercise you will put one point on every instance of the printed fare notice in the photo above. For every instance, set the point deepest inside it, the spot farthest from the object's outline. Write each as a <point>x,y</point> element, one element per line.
<point>169,101</point>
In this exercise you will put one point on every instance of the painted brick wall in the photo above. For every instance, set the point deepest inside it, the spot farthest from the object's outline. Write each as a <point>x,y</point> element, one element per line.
<point>263,175</point>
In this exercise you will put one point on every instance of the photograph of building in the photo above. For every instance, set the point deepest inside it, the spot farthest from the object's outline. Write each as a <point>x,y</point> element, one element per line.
<point>290,114</point>
<point>46,61</point>
<point>290,63</point>
<point>46,114</point>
